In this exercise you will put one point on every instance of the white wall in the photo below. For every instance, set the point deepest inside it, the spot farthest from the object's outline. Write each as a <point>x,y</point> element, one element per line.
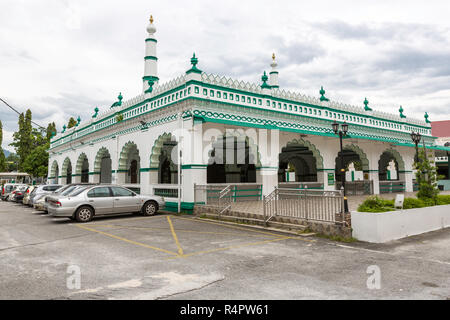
<point>386,226</point>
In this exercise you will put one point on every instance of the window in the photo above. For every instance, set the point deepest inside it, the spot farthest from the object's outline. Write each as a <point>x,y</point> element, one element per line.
<point>225,95</point>
<point>254,100</point>
<point>77,191</point>
<point>237,98</point>
<point>211,93</point>
<point>205,92</point>
<point>99,192</point>
<point>260,102</point>
<point>121,192</point>
<point>268,103</point>
<point>231,96</point>
<point>218,94</point>
<point>249,100</point>
<point>196,90</point>
<point>50,188</point>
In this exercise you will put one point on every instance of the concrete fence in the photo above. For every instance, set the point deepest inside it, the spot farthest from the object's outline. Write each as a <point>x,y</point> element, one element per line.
<point>386,226</point>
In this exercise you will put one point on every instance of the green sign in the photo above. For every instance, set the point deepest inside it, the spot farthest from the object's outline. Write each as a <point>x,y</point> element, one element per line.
<point>330,179</point>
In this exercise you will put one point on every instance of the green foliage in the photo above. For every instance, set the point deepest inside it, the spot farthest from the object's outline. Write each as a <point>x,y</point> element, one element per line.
<point>411,203</point>
<point>376,204</point>
<point>51,130</point>
<point>427,177</point>
<point>443,199</point>
<point>119,117</point>
<point>23,138</point>
<point>72,123</point>
<point>12,162</point>
<point>36,163</point>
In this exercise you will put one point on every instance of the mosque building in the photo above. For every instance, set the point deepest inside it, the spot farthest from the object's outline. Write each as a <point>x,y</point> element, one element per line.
<point>203,129</point>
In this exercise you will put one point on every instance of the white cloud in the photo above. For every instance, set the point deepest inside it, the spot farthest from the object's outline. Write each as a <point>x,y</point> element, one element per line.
<point>64,58</point>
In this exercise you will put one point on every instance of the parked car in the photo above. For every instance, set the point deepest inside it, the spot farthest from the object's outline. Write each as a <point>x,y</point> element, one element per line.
<point>64,190</point>
<point>19,193</point>
<point>26,197</point>
<point>37,197</point>
<point>83,203</point>
<point>8,188</point>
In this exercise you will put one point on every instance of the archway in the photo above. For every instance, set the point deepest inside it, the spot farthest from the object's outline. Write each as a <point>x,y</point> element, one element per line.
<point>233,159</point>
<point>82,167</point>
<point>67,170</point>
<point>54,171</point>
<point>299,161</point>
<point>102,165</point>
<point>385,170</point>
<point>164,159</point>
<point>129,163</point>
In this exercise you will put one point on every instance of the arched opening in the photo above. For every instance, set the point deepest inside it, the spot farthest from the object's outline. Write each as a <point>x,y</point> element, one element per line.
<point>352,165</point>
<point>102,166</point>
<point>85,171</point>
<point>54,172</point>
<point>390,165</point>
<point>129,162</point>
<point>168,160</point>
<point>232,160</point>
<point>297,163</point>
<point>82,168</point>
<point>67,170</point>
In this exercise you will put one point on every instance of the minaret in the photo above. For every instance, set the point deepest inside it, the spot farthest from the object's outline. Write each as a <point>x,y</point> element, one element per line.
<point>151,59</point>
<point>273,75</point>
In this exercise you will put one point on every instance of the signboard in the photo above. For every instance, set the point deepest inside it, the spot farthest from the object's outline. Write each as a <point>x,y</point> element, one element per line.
<point>331,179</point>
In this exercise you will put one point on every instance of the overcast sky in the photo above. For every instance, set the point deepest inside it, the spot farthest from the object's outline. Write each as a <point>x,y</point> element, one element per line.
<point>63,58</point>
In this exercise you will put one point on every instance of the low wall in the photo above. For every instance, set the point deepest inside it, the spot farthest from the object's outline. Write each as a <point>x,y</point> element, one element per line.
<point>392,225</point>
<point>445,183</point>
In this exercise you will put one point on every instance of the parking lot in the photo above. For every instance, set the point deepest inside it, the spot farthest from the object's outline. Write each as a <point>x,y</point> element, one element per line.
<point>182,257</point>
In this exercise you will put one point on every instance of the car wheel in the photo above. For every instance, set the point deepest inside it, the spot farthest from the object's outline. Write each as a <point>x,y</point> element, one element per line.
<point>150,208</point>
<point>84,214</point>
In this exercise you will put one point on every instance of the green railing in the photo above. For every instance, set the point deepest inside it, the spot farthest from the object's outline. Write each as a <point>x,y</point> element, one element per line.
<point>392,186</point>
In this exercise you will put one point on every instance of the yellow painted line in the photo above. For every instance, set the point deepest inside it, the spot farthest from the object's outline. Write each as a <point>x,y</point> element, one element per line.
<point>228,248</point>
<point>127,240</point>
<point>112,226</point>
<point>180,250</point>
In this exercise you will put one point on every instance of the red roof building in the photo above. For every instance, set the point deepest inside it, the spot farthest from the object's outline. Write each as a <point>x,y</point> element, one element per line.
<point>440,128</point>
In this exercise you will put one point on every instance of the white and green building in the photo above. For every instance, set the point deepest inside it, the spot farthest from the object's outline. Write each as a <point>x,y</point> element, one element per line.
<point>233,132</point>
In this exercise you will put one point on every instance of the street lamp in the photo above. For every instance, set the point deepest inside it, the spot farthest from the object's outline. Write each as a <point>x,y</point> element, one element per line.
<point>342,133</point>
<point>415,137</point>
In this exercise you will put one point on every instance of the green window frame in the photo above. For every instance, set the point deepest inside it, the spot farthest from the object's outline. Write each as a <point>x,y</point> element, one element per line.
<point>211,93</point>
<point>218,94</point>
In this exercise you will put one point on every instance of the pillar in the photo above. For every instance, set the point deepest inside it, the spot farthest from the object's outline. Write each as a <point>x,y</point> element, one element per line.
<point>268,177</point>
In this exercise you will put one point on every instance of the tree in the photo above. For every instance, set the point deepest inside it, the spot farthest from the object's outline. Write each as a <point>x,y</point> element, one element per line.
<point>3,165</point>
<point>36,163</point>
<point>72,123</point>
<point>427,177</point>
<point>23,138</point>
<point>51,130</point>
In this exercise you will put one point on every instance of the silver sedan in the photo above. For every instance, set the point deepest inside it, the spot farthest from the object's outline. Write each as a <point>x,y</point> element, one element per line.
<point>85,202</point>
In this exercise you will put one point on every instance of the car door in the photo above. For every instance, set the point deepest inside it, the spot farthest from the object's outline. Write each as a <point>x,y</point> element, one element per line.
<point>125,200</point>
<point>101,199</point>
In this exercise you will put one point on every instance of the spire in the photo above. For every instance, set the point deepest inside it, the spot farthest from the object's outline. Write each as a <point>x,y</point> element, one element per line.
<point>366,105</point>
<point>426,117</point>
<point>322,95</point>
<point>194,62</point>
<point>273,75</point>
<point>264,79</point>
<point>151,58</point>
<point>401,112</point>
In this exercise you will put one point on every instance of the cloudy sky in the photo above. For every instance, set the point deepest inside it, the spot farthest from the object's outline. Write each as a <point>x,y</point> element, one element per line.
<point>63,58</point>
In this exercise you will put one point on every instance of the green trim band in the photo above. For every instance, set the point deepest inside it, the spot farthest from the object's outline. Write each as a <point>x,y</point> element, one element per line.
<point>151,58</point>
<point>148,169</point>
<point>151,39</point>
<point>194,166</point>
<point>95,172</point>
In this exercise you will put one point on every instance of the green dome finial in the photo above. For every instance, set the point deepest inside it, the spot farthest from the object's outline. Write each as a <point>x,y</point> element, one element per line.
<point>78,121</point>
<point>64,129</point>
<point>401,112</point>
<point>426,118</point>
<point>119,102</point>
<point>366,105</point>
<point>322,94</point>
<point>194,62</point>
<point>96,112</point>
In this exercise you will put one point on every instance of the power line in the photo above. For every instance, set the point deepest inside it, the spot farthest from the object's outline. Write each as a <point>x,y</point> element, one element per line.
<point>12,108</point>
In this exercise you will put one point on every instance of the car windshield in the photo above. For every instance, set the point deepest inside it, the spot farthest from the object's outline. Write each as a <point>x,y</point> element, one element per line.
<point>68,190</point>
<point>76,191</point>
